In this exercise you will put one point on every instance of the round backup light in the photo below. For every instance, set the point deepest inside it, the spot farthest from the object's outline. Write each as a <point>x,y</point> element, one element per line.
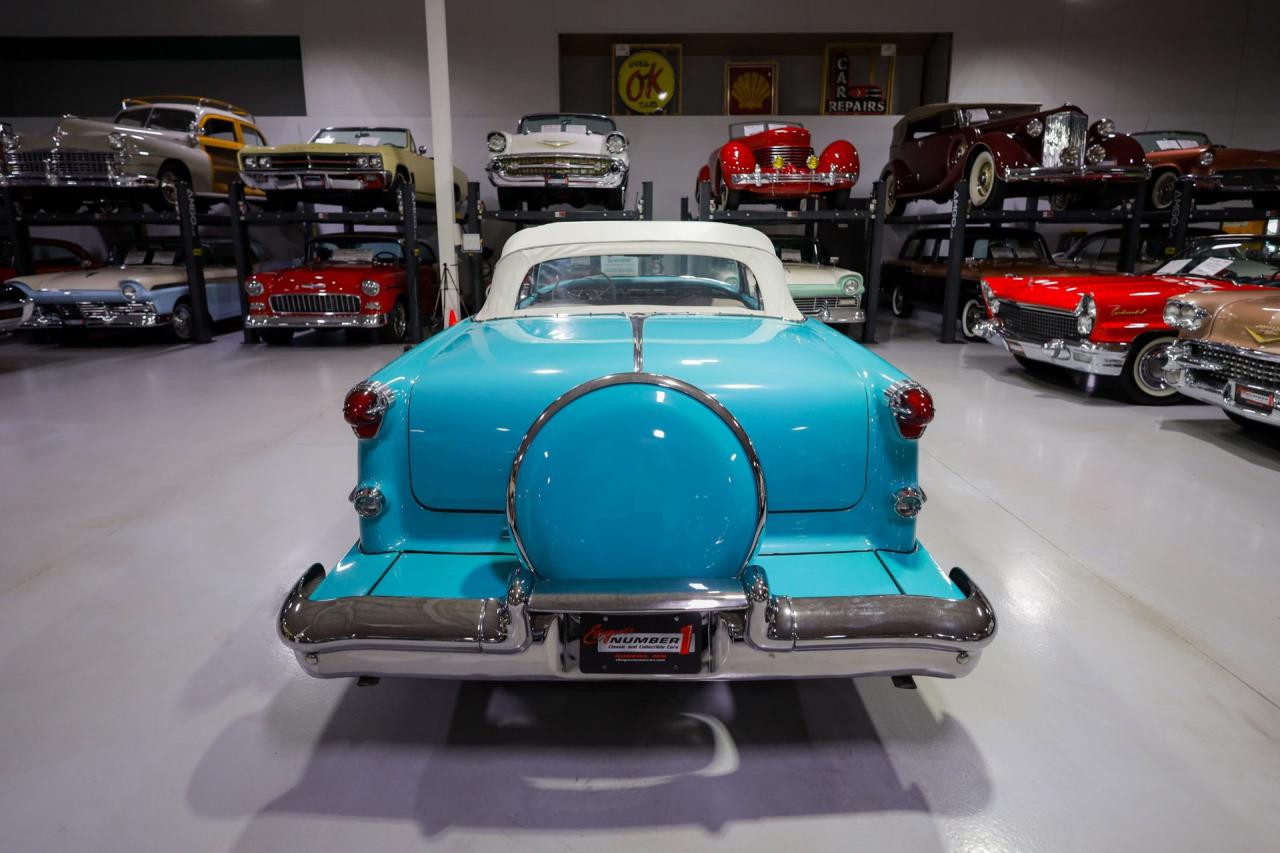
<point>365,406</point>
<point>908,501</point>
<point>368,501</point>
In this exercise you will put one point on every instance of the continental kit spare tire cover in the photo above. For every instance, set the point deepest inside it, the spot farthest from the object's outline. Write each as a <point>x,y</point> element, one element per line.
<point>636,476</point>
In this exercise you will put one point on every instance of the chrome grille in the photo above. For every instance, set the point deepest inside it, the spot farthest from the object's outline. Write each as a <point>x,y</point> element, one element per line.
<point>1038,324</point>
<point>816,304</point>
<point>792,155</point>
<point>1236,366</point>
<point>1064,131</point>
<point>108,310</point>
<point>315,303</point>
<point>549,164</point>
<point>62,163</point>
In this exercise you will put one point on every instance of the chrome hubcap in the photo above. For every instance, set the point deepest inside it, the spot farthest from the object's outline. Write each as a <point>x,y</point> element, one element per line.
<point>971,317</point>
<point>899,299</point>
<point>1164,191</point>
<point>399,322</point>
<point>181,321</point>
<point>1151,366</point>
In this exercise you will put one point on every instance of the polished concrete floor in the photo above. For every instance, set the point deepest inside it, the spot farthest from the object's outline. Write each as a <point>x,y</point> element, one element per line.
<point>157,502</point>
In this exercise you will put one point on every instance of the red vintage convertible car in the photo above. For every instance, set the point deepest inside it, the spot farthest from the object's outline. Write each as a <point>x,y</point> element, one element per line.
<point>774,161</point>
<point>1004,150</point>
<point>348,281</point>
<point>47,255</point>
<point>1221,173</point>
<point>1114,325</point>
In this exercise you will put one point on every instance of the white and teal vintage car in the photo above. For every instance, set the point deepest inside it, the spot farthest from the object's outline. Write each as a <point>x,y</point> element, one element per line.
<point>143,285</point>
<point>637,460</point>
<point>821,290</point>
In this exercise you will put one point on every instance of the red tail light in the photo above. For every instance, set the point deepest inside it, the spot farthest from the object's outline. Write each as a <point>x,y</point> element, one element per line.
<point>912,405</point>
<point>364,407</point>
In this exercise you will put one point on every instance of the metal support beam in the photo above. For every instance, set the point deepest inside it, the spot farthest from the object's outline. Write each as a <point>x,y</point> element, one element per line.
<point>684,209</point>
<point>471,224</point>
<point>704,201</point>
<point>1132,239</point>
<point>23,262</point>
<point>412,253</point>
<point>955,262</point>
<point>875,249</point>
<point>240,245</point>
<point>646,200</point>
<point>188,227</point>
<point>1180,212</point>
<point>442,151</point>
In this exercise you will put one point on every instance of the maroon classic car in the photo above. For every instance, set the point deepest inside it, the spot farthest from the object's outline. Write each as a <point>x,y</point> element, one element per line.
<point>348,281</point>
<point>774,161</point>
<point>47,255</point>
<point>1221,173</point>
<point>1007,150</point>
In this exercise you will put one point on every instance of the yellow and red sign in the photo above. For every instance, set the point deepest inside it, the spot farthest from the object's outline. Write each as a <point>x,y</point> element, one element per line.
<point>751,88</point>
<point>647,79</point>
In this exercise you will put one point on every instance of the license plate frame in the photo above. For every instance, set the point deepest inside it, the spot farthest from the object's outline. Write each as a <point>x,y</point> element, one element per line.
<point>557,181</point>
<point>642,643</point>
<point>1253,397</point>
<point>313,182</point>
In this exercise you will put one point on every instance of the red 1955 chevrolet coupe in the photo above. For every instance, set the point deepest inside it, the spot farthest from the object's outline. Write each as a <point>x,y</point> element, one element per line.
<point>774,161</point>
<point>1115,325</point>
<point>352,281</point>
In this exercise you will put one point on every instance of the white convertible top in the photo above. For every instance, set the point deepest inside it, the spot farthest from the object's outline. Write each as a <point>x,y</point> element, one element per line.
<point>579,239</point>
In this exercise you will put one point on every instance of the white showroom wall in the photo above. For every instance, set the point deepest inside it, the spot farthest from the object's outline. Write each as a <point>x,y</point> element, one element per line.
<point>1145,63</point>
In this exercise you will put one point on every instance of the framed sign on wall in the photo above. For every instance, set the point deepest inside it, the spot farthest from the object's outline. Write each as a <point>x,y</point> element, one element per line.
<point>751,88</point>
<point>857,79</point>
<point>646,79</point>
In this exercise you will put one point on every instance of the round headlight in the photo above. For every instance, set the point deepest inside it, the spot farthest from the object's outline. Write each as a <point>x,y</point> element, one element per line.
<point>115,140</point>
<point>1086,313</point>
<point>362,161</point>
<point>1104,127</point>
<point>253,287</point>
<point>497,142</point>
<point>850,285</point>
<point>1184,315</point>
<point>250,161</point>
<point>10,141</point>
<point>1034,128</point>
<point>1206,159</point>
<point>375,160</point>
<point>615,143</point>
<point>987,293</point>
<point>264,162</point>
<point>370,287</point>
<point>129,290</point>
<point>1096,154</point>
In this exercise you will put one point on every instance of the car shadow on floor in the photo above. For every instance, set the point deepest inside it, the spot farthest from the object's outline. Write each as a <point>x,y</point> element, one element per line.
<point>1256,447</point>
<point>591,756</point>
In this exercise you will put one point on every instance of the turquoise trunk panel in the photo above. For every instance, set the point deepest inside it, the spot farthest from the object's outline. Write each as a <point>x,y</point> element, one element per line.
<point>448,576</point>
<point>805,410</point>
<point>355,574</point>
<point>822,575</point>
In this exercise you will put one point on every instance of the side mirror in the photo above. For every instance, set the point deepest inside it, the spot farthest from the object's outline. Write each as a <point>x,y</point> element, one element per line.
<point>422,149</point>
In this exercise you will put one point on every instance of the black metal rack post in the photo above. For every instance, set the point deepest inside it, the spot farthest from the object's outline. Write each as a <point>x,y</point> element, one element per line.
<point>541,217</point>
<point>188,227</point>
<point>240,245</point>
<point>646,200</point>
<point>955,261</point>
<point>471,225</point>
<point>1132,239</point>
<point>412,256</point>
<point>23,263</point>
<point>875,252</point>
<point>704,200</point>
<point>1183,205</point>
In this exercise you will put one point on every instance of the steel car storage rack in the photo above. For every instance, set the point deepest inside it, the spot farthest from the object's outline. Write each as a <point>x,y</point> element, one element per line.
<point>868,213</point>
<point>407,217</point>
<point>523,218</point>
<point>20,221</point>
<point>1132,215</point>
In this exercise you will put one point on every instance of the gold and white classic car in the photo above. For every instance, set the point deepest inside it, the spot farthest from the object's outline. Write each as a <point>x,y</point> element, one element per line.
<point>154,141</point>
<point>360,167</point>
<point>559,157</point>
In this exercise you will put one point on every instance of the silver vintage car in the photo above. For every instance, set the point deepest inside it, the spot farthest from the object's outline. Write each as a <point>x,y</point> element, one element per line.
<point>153,142</point>
<point>559,157</point>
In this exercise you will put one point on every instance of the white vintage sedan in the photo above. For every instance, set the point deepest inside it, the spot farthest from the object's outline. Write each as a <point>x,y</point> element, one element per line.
<point>559,157</point>
<point>820,290</point>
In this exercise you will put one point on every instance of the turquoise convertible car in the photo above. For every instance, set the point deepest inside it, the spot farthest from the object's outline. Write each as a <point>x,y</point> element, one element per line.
<point>638,460</point>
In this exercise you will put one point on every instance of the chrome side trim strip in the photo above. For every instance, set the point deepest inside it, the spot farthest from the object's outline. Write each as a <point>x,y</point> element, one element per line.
<point>637,378</point>
<point>637,341</point>
<point>682,595</point>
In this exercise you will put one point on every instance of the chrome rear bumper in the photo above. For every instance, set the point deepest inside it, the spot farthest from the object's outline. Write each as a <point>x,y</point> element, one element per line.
<point>751,633</point>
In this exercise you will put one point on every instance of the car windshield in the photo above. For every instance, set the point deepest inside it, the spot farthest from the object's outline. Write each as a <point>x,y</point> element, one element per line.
<point>358,250</point>
<point>1171,140</point>
<point>995,112</point>
<point>797,251</point>
<point>1009,247</point>
<point>1251,260</point>
<point>396,137</point>
<point>141,254</point>
<point>565,123</point>
<point>739,129</point>
<point>690,281</point>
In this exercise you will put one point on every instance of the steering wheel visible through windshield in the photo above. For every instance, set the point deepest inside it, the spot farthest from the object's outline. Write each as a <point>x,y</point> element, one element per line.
<point>689,281</point>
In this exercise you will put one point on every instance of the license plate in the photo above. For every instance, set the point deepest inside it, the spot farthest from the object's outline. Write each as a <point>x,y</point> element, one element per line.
<point>557,180</point>
<point>1015,347</point>
<point>1256,398</point>
<point>647,644</point>
<point>313,181</point>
